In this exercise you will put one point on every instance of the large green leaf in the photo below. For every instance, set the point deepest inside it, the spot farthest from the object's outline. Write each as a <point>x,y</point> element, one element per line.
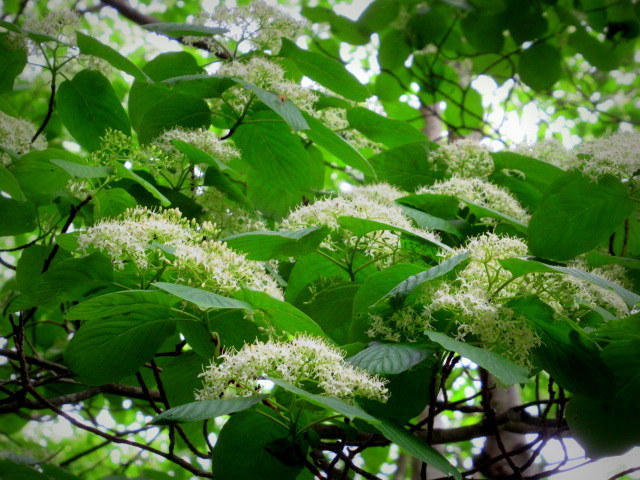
<point>391,358</point>
<point>565,352</point>
<point>331,309</point>
<point>417,447</point>
<point>539,66</point>
<point>336,145</point>
<point>90,46</point>
<point>238,456</point>
<point>177,30</point>
<point>88,106</point>
<point>10,185</point>
<point>124,172</point>
<point>267,245</point>
<point>404,288</point>
<point>379,284</point>
<point>200,84</point>
<point>598,54</point>
<point>281,315</point>
<point>155,108</point>
<point>79,170</point>
<point>38,176</point>
<point>205,409</point>
<point>383,129</point>
<point>13,59</point>
<point>406,166</point>
<point>121,303</point>
<point>331,403</point>
<point>17,217</point>
<point>325,70</point>
<point>603,428</point>
<point>281,172</point>
<point>203,299</point>
<point>107,349</point>
<point>500,367</point>
<point>284,108</point>
<point>537,173</point>
<point>578,214</point>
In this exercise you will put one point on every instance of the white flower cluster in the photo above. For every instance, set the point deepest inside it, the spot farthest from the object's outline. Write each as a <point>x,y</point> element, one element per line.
<point>59,25</point>
<point>406,324</point>
<point>213,266</point>
<point>267,75</point>
<point>15,136</point>
<point>327,211</point>
<point>165,239</point>
<point>378,192</point>
<point>463,158</point>
<point>617,155</point>
<point>259,24</point>
<point>550,151</point>
<point>481,192</point>
<point>477,296</point>
<point>304,359</point>
<point>205,140</point>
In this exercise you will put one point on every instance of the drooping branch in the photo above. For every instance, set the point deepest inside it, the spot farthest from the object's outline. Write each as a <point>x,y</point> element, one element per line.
<point>126,10</point>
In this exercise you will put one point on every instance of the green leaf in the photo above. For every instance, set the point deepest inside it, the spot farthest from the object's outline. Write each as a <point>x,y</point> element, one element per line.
<point>122,303</point>
<point>404,288</point>
<point>201,85</point>
<point>156,107</point>
<point>597,259</point>
<point>331,309</point>
<point>417,447</point>
<point>88,106</point>
<point>576,215</point>
<point>361,226</point>
<point>38,176</point>
<point>90,46</point>
<point>17,217</point>
<point>205,410</point>
<point>13,59</point>
<point>502,368</point>
<point>203,299</point>
<point>281,172</point>
<point>283,316</point>
<point>177,30</point>
<point>336,145</point>
<point>594,51</point>
<point>519,267</point>
<point>482,211</point>
<point>390,358</point>
<point>406,166</point>
<point>332,403</point>
<point>10,185</point>
<point>327,71</point>
<point>383,129</point>
<point>238,456</point>
<point>603,428</point>
<point>286,109</point>
<point>105,350</point>
<point>124,172</point>
<point>483,31</point>
<point>14,470</point>
<point>429,222</point>
<point>378,15</point>
<point>540,66</point>
<point>71,279</point>
<point>377,285</point>
<point>112,202</point>
<point>565,352</point>
<point>623,360</point>
<point>266,245</point>
<point>79,170</point>
<point>537,173</point>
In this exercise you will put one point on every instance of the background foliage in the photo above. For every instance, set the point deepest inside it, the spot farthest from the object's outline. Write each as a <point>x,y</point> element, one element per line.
<point>322,192</point>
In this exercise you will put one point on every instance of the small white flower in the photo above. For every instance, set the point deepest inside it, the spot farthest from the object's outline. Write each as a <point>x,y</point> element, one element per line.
<point>205,140</point>
<point>378,192</point>
<point>302,359</point>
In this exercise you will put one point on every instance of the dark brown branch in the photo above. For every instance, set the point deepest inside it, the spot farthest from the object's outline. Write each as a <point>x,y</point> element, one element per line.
<point>140,18</point>
<point>50,107</point>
